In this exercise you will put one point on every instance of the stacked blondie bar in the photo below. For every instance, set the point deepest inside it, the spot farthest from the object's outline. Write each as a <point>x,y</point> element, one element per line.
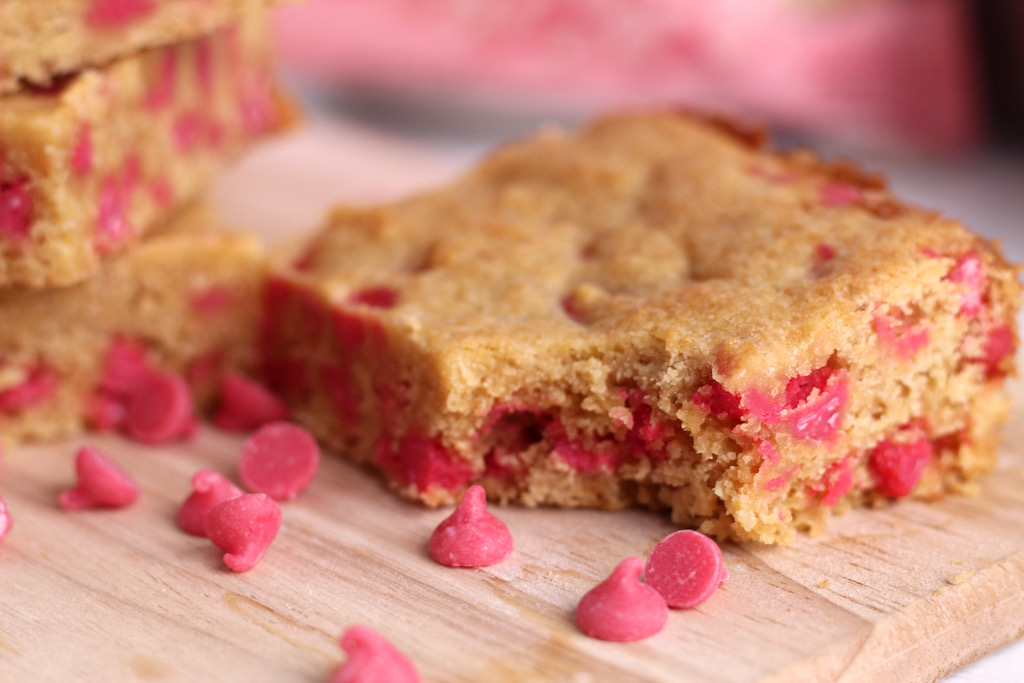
<point>114,115</point>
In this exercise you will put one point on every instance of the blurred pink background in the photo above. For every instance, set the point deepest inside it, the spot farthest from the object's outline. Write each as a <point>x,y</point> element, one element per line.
<point>904,75</point>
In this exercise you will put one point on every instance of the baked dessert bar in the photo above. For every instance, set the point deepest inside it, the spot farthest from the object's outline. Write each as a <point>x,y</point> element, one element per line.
<point>40,41</point>
<point>92,162</point>
<point>186,298</point>
<point>658,312</point>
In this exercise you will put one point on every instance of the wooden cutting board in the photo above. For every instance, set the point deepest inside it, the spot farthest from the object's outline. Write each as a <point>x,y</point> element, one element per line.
<point>906,593</point>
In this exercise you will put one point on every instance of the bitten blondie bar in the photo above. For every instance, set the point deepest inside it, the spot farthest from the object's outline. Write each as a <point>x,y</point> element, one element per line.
<point>659,312</point>
<point>91,163</point>
<point>42,40</point>
<point>185,299</point>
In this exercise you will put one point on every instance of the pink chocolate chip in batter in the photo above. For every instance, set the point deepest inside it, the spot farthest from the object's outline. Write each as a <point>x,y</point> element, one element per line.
<point>125,368</point>
<point>969,273</point>
<point>897,467</point>
<point>685,568</point>
<point>112,225</point>
<point>471,536</point>
<point>15,210</point>
<point>378,297</point>
<point>903,336</point>
<point>82,152</point>
<point>104,412</point>
<point>108,14</point>
<point>999,345</point>
<point>422,461</point>
<point>246,405</point>
<point>5,519</point>
<point>621,608</point>
<point>280,459</point>
<point>717,401</point>
<point>372,659</point>
<point>38,386</point>
<point>101,483</point>
<point>160,409</point>
<point>209,489</point>
<point>161,94</point>
<point>836,194</point>
<point>243,528</point>
<point>814,403</point>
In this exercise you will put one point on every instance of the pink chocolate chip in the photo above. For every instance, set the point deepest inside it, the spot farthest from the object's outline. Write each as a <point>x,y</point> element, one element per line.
<point>578,455</point>
<point>378,297</point>
<point>717,401</point>
<point>621,608</point>
<point>114,206</point>
<point>837,482</point>
<point>104,412</point>
<point>15,210</point>
<point>189,130</point>
<point>422,461</point>
<point>280,459</point>
<point>372,659</point>
<point>999,345</point>
<point>162,192</point>
<point>101,483</point>
<point>212,300</point>
<point>81,153</point>
<point>471,536</point>
<point>685,568</point>
<point>904,337</point>
<point>836,194</point>
<point>243,528</point>
<point>105,14</point>
<point>38,386</point>
<point>897,467</point>
<point>209,489</point>
<point>204,64</point>
<point>161,94</point>
<point>160,409</point>
<point>818,419</point>
<point>246,405</point>
<point>969,273</point>
<point>256,107</point>
<point>812,406</point>
<point>125,368</point>
<point>5,519</point>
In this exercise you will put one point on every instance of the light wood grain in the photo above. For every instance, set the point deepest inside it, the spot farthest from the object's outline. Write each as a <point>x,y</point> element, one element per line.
<point>124,595</point>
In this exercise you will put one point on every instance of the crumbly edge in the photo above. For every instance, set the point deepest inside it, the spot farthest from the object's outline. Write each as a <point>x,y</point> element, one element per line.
<point>709,472</point>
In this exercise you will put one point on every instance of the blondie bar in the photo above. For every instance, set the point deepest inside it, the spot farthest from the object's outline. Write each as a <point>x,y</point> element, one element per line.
<point>92,162</point>
<point>660,312</point>
<point>184,300</point>
<point>40,41</point>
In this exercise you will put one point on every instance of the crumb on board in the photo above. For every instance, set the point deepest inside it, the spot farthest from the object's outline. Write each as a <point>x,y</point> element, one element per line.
<point>971,489</point>
<point>961,577</point>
